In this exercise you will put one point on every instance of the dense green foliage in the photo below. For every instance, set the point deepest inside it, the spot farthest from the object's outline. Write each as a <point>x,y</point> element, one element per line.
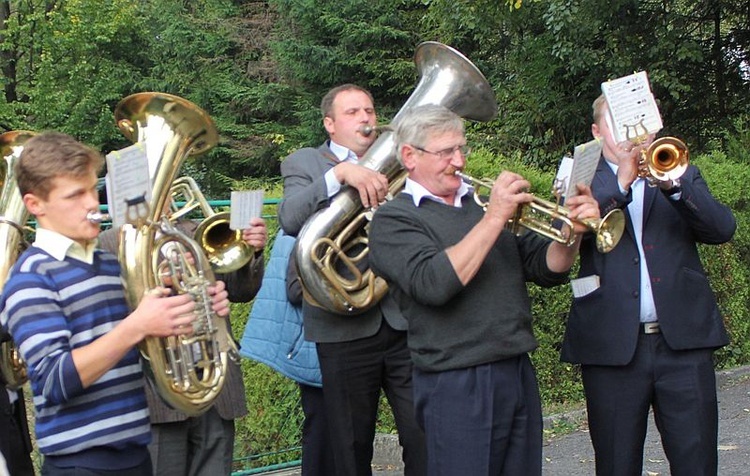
<point>259,69</point>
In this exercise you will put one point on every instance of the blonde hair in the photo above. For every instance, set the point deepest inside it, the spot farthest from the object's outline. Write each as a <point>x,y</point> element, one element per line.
<point>598,107</point>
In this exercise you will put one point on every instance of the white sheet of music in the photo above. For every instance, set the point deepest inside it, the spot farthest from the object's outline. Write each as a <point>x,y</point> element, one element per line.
<point>244,205</point>
<point>580,168</point>
<point>127,178</point>
<point>632,107</point>
<point>586,285</point>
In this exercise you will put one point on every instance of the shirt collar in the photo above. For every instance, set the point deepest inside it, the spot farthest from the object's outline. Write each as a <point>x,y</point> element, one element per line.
<point>418,192</point>
<point>60,246</point>
<point>342,153</point>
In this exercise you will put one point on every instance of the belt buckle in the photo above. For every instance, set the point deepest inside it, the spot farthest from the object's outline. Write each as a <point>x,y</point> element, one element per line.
<point>651,328</point>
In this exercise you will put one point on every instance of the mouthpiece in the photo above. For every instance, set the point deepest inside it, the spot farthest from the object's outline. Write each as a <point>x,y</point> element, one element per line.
<point>367,130</point>
<point>97,217</point>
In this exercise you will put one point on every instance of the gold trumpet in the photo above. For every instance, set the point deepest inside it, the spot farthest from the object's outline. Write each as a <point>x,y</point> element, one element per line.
<point>665,159</point>
<point>540,216</point>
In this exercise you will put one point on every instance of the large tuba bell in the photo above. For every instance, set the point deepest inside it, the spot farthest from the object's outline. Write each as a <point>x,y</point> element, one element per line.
<point>12,244</point>
<point>188,371</point>
<point>336,238</point>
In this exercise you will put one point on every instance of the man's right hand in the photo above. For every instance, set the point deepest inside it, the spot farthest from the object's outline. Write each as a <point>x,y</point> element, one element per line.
<point>371,185</point>
<point>509,191</point>
<point>161,315</point>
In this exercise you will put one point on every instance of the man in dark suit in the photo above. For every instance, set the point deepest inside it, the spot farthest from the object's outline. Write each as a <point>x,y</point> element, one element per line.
<point>646,334</point>
<point>203,445</point>
<point>359,354</point>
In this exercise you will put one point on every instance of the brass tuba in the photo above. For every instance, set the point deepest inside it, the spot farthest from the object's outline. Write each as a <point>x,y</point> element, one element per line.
<point>12,244</point>
<point>224,247</point>
<point>336,237</point>
<point>188,371</point>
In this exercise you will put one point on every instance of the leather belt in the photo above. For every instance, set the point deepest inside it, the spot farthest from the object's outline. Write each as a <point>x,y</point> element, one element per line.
<point>651,327</point>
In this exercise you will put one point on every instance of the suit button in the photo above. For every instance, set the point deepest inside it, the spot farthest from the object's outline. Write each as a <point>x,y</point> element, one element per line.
<point>636,294</point>
<point>636,260</point>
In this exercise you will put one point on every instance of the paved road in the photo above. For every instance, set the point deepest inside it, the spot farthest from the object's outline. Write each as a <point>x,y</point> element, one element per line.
<point>572,454</point>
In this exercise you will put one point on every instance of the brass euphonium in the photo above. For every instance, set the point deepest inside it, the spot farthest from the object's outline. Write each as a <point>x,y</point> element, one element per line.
<point>225,249</point>
<point>552,220</point>
<point>335,238</point>
<point>188,371</point>
<point>12,244</point>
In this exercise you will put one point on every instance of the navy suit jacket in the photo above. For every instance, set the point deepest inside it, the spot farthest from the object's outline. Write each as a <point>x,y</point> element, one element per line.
<point>305,193</point>
<point>603,326</point>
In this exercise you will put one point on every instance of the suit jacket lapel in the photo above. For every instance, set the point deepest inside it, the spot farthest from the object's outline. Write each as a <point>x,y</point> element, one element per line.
<point>325,151</point>
<point>609,179</point>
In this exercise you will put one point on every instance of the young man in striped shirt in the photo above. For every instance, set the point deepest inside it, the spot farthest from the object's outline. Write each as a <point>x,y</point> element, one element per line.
<point>65,306</point>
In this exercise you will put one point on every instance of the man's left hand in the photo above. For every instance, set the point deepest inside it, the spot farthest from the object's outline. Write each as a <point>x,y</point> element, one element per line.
<point>256,235</point>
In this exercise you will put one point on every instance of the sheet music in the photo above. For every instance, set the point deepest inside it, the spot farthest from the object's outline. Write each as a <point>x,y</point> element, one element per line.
<point>580,168</point>
<point>586,285</point>
<point>127,178</point>
<point>244,205</point>
<point>632,106</point>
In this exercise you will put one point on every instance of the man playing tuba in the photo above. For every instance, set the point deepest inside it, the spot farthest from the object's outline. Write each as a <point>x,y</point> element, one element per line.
<point>360,354</point>
<point>173,448</point>
<point>65,306</point>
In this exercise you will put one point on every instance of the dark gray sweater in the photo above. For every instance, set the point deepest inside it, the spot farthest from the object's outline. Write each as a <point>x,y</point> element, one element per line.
<point>452,326</point>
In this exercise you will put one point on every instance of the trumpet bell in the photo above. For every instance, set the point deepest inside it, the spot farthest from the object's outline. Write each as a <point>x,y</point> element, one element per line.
<point>225,249</point>
<point>609,230</point>
<point>667,159</point>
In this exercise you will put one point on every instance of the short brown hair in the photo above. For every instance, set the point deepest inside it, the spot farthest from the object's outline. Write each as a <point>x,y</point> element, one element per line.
<point>50,155</point>
<point>326,104</point>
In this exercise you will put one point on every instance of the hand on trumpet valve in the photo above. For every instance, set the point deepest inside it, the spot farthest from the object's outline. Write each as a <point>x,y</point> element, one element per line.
<point>509,191</point>
<point>581,207</point>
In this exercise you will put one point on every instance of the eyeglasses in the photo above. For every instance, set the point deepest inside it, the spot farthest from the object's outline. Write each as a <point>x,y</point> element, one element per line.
<point>464,150</point>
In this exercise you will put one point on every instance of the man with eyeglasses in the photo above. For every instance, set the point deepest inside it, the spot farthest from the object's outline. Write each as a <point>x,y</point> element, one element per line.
<point>359,355</point>
<point>460,278</point>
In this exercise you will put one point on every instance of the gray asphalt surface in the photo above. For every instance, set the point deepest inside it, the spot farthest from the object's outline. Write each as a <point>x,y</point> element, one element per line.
<point>571,454</point>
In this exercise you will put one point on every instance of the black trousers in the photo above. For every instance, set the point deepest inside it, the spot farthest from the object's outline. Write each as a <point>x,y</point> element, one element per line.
<point>317,453</point>
<point>15,444</point>
<point>353,374</point>
<point>681,388</point>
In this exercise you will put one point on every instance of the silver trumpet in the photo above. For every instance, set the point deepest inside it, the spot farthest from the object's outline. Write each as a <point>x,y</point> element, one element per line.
<point>540,216</point>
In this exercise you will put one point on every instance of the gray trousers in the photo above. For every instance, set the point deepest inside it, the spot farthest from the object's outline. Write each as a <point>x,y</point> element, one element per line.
<point>198,446</point>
